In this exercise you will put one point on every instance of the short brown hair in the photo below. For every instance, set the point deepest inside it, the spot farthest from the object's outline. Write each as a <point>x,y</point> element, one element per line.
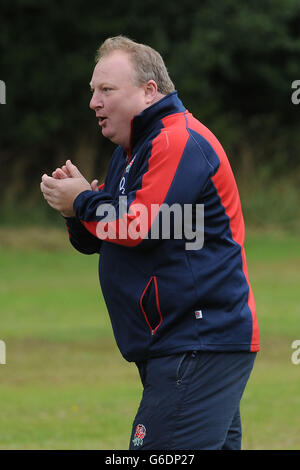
<point>147,62</point>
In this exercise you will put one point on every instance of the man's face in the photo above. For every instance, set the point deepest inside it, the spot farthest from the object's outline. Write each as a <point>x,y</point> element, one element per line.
<point>116,98</point>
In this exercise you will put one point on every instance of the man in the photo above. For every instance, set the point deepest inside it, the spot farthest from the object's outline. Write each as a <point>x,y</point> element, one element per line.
<point>184,313</point>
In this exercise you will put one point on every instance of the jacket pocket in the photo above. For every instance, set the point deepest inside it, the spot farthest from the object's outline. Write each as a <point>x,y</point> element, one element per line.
<point>149,303</point>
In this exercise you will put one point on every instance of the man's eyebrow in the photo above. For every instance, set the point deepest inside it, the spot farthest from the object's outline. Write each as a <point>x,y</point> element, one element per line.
<point>91,86</point>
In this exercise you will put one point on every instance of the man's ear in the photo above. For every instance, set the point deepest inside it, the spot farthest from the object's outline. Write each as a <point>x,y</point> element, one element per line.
<point>150,91</point>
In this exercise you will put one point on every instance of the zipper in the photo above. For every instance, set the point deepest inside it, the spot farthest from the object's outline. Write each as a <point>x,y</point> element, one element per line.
<point>153,329</point>
<point>192,356</point>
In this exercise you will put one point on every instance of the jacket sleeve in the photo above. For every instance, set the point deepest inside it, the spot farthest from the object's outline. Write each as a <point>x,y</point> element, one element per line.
<point>126,220</point>
<point>81,239</point>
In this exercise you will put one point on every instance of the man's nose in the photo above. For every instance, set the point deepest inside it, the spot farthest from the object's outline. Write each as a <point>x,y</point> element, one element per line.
<point>96,102</point>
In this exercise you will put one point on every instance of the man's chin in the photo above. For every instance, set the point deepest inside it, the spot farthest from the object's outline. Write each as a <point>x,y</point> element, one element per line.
<point>108,135</point>
<point>105,132</point>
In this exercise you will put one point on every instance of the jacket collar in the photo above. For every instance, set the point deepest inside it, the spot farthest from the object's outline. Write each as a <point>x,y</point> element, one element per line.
<point>143,123</point>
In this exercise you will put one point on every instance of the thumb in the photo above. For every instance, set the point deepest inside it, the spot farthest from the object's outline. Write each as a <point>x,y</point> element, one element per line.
<point>94,185</point>
<point>73,170</point>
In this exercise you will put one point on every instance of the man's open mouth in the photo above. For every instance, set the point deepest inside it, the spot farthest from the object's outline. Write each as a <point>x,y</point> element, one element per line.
<point>101,120</point>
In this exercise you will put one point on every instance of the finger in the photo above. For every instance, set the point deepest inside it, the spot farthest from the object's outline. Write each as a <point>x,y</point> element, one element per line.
<point>94,185</point>
<point>53,204</point>
<point>44,188</point>
<point>47,193</point>
<point>66,171</point>
<point>48,197</point>
<point>55,174</point>
<point>59,174</point>
<point>73,170</point>
<point>49,182</point>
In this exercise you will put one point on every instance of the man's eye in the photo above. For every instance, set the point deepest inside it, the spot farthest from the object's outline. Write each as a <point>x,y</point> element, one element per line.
<point>106,89</point>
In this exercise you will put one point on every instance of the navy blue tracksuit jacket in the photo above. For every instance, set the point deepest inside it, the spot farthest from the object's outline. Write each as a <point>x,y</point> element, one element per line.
<point>163,298</point>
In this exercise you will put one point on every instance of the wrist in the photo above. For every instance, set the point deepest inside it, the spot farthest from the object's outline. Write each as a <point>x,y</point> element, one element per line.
<point>68,214</point>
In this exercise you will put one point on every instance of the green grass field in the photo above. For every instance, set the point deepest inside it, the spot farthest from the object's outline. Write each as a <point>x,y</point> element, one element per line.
<point>65,384</point>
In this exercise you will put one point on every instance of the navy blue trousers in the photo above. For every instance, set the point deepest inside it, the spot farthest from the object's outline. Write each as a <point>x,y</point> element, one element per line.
<point>191,400</point>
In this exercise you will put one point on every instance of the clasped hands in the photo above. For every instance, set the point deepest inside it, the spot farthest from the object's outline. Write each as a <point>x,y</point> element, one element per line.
<point>61,189</point>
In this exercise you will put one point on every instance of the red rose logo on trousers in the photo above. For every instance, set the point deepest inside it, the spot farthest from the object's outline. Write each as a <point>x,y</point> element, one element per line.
<point>140,433</point>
